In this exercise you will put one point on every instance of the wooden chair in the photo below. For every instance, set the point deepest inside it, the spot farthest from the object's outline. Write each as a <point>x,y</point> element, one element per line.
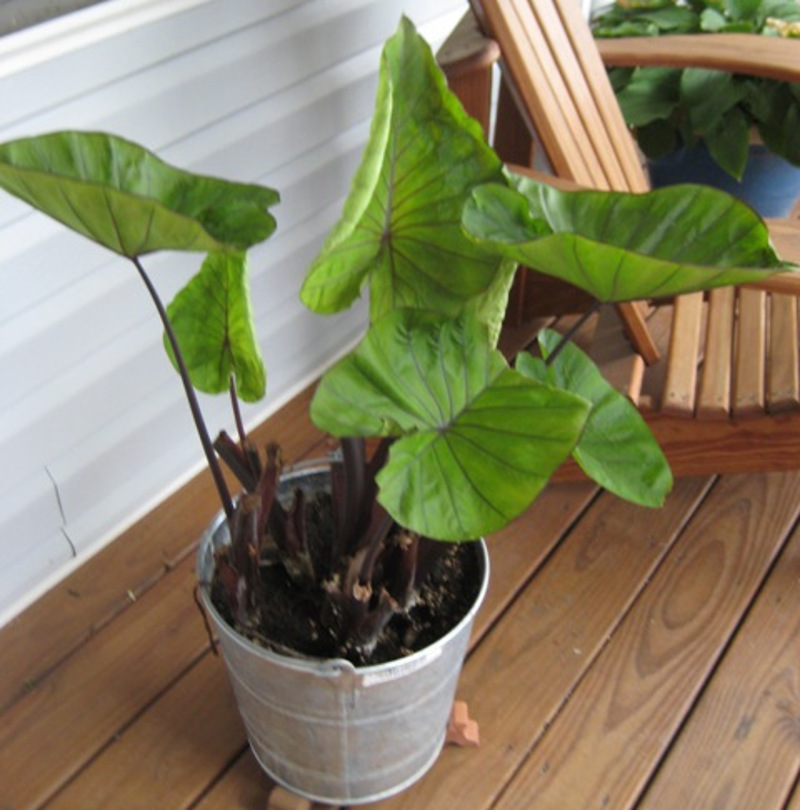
<point>714,408</point>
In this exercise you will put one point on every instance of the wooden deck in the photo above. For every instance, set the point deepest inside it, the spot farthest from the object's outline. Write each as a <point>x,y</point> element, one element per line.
<point>624,658</point>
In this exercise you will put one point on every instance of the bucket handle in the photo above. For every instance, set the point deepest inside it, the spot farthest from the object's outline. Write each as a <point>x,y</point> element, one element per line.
<point>206,623</point>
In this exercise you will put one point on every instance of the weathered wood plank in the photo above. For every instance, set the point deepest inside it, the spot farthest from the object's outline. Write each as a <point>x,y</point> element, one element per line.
<point>741,746</point>
<point>244,786</point>
<point>171,755</point>
<point>518,677</point>
<point>794,802</point>
<point>140,652</point>
<point>611,735</point>
<point>99,690</point>
<point>78,607</point>
<point>517,551</point>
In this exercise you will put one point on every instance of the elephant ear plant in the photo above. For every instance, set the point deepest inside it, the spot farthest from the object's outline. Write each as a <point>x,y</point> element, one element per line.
<point>463,440</point>
<point>123,197</point>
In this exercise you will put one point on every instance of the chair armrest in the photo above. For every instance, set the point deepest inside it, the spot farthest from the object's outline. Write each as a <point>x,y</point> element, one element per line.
<point>561,183</point>
<point>467,49</point>
<point>751,54</point>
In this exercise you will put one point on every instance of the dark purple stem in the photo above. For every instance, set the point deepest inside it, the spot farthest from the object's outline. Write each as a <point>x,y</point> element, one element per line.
<point>191,396</point>
<point>567,336</point>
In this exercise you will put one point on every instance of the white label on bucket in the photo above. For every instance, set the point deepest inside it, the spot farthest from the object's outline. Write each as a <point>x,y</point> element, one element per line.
<point>401,668</point>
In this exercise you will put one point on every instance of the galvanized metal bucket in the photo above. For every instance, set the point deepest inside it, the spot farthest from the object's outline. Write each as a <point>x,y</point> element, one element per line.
<point>333,732</point>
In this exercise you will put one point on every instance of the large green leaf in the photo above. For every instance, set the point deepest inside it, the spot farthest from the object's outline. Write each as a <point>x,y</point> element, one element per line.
<point>650,94</point>
<point>616,448</point>
<point>776,108</point>
<point>400,227</point>
<point>478,440</point>
<point>124,197</point>
<point>644,19</point>
<point>743,9</point>
<point>709,94</point>
<point>713,99</point>
<point>728,142</point>
<point>212,319</point>
<point>712,21</point>
<point>622,247</point>
<point>657,139</point>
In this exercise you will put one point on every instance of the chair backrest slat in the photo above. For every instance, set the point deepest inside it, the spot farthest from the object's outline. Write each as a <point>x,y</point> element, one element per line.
<point>563,86</point>
<point>593,71</point>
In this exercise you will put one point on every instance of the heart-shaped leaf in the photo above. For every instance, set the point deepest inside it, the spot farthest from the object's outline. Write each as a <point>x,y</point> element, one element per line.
<point>128,200</point>
<point>400,230</point>
<point>212,319</point>
<point>478,440</point>
<point>621,247</point>
<point>616,448</point>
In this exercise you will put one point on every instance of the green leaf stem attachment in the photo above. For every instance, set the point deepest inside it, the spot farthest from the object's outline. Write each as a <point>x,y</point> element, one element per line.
<point>617,448</point>
<point>213,322</point>
<point>477,440</point>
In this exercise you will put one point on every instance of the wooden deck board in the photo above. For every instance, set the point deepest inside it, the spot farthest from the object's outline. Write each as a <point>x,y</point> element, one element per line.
<point>593,605</point>
<point>95,694</point>
<point>617,723</point>
<point>741,747</point>
<point>243,786</point>
<point>176,749</point>
<point>517,551</point>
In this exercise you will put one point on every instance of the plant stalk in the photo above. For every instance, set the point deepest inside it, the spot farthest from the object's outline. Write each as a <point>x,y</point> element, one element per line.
<point>250,457</point>
<point>191,396</point>
<point>567,336</point>
<point>237,413</point>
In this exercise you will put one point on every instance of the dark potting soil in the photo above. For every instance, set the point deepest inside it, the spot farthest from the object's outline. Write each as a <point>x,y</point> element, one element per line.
<point>305,622</point>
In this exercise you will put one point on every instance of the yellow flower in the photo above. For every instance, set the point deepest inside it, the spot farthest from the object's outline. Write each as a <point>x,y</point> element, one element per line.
<point>783,27</point>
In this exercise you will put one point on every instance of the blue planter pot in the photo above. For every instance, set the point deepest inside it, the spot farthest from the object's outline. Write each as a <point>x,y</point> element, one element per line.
<point>770,185</point>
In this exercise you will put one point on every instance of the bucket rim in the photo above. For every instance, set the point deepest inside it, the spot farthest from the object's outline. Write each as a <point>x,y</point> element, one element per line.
<point>331,666</point>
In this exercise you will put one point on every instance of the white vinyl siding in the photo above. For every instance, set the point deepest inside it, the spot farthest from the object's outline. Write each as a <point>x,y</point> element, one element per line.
<point>18,14</point>
<point>93,426</point>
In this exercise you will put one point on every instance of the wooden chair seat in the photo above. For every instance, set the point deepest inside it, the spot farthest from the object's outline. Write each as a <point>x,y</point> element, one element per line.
<point>725,396</point>
<point>733,355</point>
